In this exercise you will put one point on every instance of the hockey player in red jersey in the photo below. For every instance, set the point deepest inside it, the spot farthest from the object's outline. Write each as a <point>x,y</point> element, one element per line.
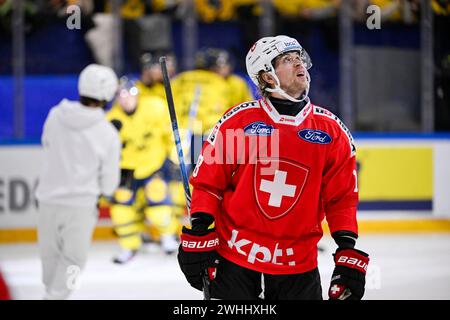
<point>270,171</point>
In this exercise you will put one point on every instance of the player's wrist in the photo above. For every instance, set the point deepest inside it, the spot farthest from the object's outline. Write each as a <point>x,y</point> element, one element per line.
<point>201,221</point>
<point>345,239</point>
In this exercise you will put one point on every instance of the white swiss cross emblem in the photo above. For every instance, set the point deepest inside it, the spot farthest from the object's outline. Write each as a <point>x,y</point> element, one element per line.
<point>335,289</point>
<point>278,185</point>
<point>277,188</point>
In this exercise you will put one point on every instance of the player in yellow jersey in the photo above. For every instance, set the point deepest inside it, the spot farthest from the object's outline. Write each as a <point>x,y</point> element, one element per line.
<point>144,129</point>
<point>213,98</point>
<point>220,61</point>
<point>151,81</point>
<point>149,85</point>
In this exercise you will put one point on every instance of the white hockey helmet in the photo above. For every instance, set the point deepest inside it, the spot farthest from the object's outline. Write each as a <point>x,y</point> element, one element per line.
<point>97,82</point>
<point>265,50</point>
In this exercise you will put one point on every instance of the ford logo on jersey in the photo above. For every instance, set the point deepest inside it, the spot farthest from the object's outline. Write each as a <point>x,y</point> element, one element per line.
<point>258,128</point>
<point>314,136</point>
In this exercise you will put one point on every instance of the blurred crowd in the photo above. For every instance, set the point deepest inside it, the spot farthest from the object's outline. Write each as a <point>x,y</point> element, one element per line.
<point>406,11</point>
<point>146,24</point>
<point>225,10</point>
<point>39,12</point>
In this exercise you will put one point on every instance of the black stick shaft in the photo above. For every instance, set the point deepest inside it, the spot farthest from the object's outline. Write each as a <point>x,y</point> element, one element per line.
<point>184,175</point>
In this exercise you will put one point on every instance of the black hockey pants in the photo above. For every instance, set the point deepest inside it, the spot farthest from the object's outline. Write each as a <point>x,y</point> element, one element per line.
<point>237,283</point>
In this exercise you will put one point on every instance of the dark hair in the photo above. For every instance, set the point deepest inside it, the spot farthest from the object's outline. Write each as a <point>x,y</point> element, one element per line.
<point>262,85</point>
<point>92,102</point>
<point>148,59</point>
<point>208,58</point>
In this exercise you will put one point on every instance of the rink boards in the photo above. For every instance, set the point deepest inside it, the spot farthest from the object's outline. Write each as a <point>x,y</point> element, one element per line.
<point>403,186</point>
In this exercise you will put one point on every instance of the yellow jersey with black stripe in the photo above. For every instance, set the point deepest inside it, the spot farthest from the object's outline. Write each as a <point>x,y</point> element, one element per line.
<point>145,135</point>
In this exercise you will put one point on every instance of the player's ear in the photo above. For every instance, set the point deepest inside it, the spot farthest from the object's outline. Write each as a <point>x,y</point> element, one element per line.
<point>267,78</point>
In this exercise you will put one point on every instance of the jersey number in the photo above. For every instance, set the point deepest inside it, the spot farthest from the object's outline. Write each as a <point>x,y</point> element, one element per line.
<point>197,167</point>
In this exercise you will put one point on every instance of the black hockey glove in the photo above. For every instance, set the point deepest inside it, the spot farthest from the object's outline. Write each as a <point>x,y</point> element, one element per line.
<point>349,275</point>
<point>197,252</point>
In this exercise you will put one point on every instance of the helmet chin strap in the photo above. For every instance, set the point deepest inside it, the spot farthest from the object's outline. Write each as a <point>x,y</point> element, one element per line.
<point>283,93</point>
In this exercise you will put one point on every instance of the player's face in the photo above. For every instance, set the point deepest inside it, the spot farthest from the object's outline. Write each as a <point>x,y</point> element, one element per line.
<point>152,74</point>
<point>224,70</point>
<point>292,73</point>
<point>156,73</point>
<point>146,77</point>
<point>171,65</point>
<point>127,100</point>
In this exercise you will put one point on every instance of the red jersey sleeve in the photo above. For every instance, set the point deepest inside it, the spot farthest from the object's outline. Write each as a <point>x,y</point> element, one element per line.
<point>340,191</point>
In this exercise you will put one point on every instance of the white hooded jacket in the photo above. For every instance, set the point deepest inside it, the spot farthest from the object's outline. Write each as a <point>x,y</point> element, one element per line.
<point>82,154</point>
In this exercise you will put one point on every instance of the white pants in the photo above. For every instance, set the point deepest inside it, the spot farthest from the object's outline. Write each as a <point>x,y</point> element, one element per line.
<point>64,237</point>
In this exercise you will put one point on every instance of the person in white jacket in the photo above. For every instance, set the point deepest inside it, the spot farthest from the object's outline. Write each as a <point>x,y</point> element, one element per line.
<point>81,162</point>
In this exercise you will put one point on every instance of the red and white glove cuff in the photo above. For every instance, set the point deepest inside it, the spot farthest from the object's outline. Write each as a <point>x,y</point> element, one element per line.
<point>352,258</point>
<point>193,243</point>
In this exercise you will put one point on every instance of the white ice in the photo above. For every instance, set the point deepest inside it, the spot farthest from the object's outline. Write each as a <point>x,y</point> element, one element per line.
<point>412,266</point>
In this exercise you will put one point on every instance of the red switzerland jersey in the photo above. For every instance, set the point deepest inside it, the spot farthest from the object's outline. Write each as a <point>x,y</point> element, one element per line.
<point>270,179</point>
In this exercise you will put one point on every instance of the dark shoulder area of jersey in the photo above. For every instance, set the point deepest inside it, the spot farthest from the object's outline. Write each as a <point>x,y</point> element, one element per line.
<point>320,113</point>
<point>232,117</point>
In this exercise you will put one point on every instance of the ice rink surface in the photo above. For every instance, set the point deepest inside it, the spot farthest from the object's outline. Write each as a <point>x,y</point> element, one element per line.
<point>402,267</point>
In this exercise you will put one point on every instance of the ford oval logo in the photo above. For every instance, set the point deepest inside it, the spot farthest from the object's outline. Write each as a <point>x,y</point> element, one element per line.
<point>258,128</point>
<point>314,136</point>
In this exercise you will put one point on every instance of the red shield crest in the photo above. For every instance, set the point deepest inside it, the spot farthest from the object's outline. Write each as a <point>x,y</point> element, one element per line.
<point>278,184</point>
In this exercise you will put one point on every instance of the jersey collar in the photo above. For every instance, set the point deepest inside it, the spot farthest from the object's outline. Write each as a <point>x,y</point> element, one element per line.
<point>285,119</point>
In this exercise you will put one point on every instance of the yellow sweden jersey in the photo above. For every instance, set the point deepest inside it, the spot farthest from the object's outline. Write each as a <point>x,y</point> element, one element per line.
<point>156,89</point>
<point>145,135</point>
<point>213,100</point>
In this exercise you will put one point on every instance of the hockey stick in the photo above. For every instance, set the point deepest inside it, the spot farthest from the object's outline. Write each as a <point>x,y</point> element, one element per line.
<point>184,176</point>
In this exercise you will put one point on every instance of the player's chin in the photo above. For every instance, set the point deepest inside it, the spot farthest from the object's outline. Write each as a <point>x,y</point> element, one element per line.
<point>303,80</point>
<point>301,85</point>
